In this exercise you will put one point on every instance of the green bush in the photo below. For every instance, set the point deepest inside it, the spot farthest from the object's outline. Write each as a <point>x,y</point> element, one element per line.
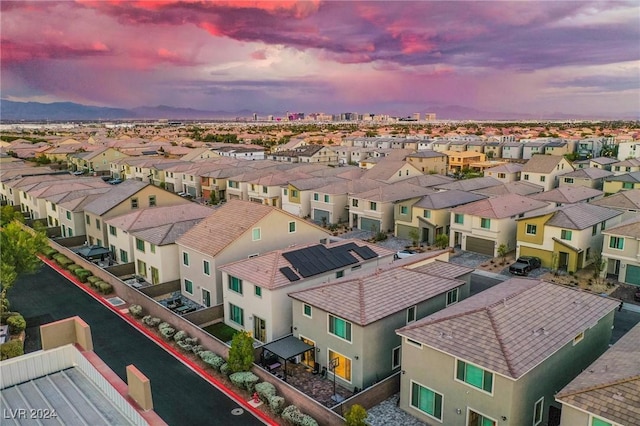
<point>182,344</point>
<point>73,267</point>
<point>212,359</point>
<point>151,321</point>
<point>224,369</point>
<point>265,391</point>
<point>105,288</point>
<point>11,349</point>
<point>49,252</point>
<point>82,274</point>
<point>276,404</point>
<point>295,417</point>
<point>197,349</point>
<point>191,341</point>
<point>93,279</point>
<point>167,332</point>
<point>134,310</point>
<point>16,324</point>
<point>356,416</point>
<point>4,304</point>
<point>180,335</point>
<point>62,260</point>
<point>245,380</point>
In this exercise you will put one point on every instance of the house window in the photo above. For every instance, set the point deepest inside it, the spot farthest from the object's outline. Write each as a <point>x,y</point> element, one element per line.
<point>316,196</point>
<point>426,400</point>
<point>326,198</point>
<point>538,410</point>
<point>373,206</point>
<point>485,223</point>
<point>112,230</point>
<point>257,290</point>
<point>354,202</point>
<point>306,310</point>
<point>532,229</point>
<point>294,193</point>
<point>339,274</point>
<point>343,365</point>
<point>411,314</point>
<point>134,203</point>
<point>565,235</point>
<point>235,284</point>
<point>152,200</point>
<point>627,185</point>
<point>602,226</point>
<point>568,180</point>
<point>98,224</point>
<point>501,175</point>
<point>458,218</point>
<point>543,178</point>
<point>88,220</point>
<point>188,286</point>
<point>404,209</point>
<point>292,227</point>
<point>599,422</point>
<point>526,177</point>
<point>142,268</point>
<point>206,267</point>
<point>578,338</point>
<point>124,256</point>
<point>265,189</point>
<point>474,376</point>
<point>185,258</point>
<point>616,243</point>
<point>255,234</point>
<point>140,244</point>
<point>452,296</point>
<point>53,207</point>
<point>395,357</point>
<point>286,191</point>
<point>340,328</point>
<point>152,247</point>
<point>594,229</point>
<point>426,214</point>
<point>236,314</point>
<point>68,215</point>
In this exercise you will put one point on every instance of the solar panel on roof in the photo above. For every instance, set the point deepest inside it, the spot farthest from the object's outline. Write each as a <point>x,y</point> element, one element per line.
<point>314,260</point>
<point>365,252</point>
<point>287,272</point>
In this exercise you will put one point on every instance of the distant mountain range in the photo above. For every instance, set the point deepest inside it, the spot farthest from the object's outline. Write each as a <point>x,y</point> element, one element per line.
<point>11,111</point>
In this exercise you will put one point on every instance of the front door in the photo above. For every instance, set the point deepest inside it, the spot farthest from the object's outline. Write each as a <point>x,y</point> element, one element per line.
<point>155,275</point>
<point>309,357</point>
<point>456,239</point>
<point>259,329</point>
<point>206,297</point>
<point>425,235</point>
<point>563,260</point>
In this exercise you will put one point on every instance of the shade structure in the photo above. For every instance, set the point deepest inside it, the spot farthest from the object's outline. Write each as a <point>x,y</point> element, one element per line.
<point>93,251</point>
<point>287,348</point>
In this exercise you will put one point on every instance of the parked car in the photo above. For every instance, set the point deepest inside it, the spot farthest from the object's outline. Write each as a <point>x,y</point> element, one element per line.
<point>402,254</point>
<point>78,172</point>
<point>114,181</point>
<point>524,265</point>
<point>106,178</point>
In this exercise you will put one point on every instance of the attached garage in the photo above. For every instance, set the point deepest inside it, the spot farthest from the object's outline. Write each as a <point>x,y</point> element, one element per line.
<point>367,224</point>
<point>633,275</point>
<point>480,245</point>
<point>321,216</point>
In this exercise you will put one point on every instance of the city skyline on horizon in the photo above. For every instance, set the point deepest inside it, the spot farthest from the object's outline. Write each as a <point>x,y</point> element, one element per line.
<point>536,58</point>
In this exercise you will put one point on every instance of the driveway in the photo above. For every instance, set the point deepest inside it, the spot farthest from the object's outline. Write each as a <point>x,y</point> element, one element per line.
<point>180,396</point>
<point>469,259</point>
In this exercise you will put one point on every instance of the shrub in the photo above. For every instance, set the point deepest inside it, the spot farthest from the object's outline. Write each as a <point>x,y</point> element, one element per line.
<point>167,332</point>
<point>16,324</point>
<point>4,304</point>
<point>180,335</point>
<point>62,260</point>
<point>224,369</point>
<point>191,341</point>
<point>73,268</point>
<point>245,380</point>
<point>292,414</point>
<point>197,349</point>
<point>241,352</point>
<point>356,416</point>
<point>135,310</point>
<point>205,355</point>
<point>265,391</point>
<point>217,362</point>
<point>105,288</point>
<point>82,274</point>
<point>163,325</point>
<point>276,403</point>
<point>11,349</point>
<point>93,279</point>
<point>151,321</point>
<point>184,345</point>
<point>49,252</point>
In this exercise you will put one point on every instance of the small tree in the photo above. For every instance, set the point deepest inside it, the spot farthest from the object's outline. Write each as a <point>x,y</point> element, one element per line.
<point>414,234</point>
<point>502,252</point>
<point>241,352</point>
<point>212,198</point>
<point>442,241</point>
<point>599,263</point>
<point>356,415</point>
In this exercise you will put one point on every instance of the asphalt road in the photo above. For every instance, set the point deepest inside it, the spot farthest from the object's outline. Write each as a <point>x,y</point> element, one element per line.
<point>180,396</point>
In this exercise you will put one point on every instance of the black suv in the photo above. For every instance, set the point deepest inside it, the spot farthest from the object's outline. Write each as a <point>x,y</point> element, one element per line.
<point>524,265</point>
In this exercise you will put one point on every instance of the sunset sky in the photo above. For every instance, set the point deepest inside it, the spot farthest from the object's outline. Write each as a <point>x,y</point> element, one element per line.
<point>381,57</point>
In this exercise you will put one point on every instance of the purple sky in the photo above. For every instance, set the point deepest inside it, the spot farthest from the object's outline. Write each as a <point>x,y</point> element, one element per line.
<point>528,57</point>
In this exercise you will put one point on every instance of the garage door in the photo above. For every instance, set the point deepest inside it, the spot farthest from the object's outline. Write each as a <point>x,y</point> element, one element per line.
<point>633,275</point>
<point>479,245</point>
<point>369,224</point>
<point>320,215</point>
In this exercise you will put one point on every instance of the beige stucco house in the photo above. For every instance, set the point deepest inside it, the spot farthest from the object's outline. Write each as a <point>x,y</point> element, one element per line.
<point>621,251</point>
<point>544,170</point>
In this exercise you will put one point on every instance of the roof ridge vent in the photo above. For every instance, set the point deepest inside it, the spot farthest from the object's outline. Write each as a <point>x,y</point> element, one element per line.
<point>540,331</point>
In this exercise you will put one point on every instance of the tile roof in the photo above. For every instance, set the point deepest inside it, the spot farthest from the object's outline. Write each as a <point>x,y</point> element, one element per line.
<point>542,164</point>
<point>471,184</point>
<point>370,298</point>
<point>426,153</point>
<point>393,192</point>
<point>581,216</point>
<point>567,194</point>
<point>628,200</point>
<point>631,162</point>
<point>627,177</point>
<point>604,160</point>
<point>166,234</point>
<point>78,204</point>
<point>513,326</point>
<point>158,216</point>
<point>447,199</point>
<point>589,173</point>
<point>610,387</point>
<point>520,187</point>
<point>385,169</point>
<point>427,181</point>
<point>628,228</point>
<point>264,270</point>
<point>118,194</point>
<point>501,207</point>
<point>443,269</point>
<point>506,168</point>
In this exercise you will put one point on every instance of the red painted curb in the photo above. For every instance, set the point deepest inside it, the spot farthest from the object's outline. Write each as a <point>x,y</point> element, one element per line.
<point>190,364</point>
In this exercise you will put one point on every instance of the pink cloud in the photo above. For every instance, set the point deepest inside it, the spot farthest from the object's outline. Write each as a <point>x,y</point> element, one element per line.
<point>259,55</point>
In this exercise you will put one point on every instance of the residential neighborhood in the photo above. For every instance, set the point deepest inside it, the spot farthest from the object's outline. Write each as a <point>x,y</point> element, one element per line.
<point>365,268</point>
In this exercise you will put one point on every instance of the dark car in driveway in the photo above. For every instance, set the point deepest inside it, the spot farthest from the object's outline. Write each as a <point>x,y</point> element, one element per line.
<point>524,265</point>
<point>114,181</point>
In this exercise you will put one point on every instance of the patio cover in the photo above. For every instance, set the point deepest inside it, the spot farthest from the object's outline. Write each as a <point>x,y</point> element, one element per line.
<point>93,251</point>
<point>287,347</point>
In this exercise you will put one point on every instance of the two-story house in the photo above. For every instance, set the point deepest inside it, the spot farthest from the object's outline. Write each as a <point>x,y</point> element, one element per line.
<point>565,238</point>
<point>485,225</point>
<point>236,230</point>
<point>623,182</point>
<point>71,210</point>
<point>98,160</point>
<point>255,289</point>
<point>606,392</point>
<point>590,177</point>
<point>621,251</point>
<point>508,172</point>
<point>512,150</point>
<point>351,322</point>
<point>499,357</point>
<point>544,170</point>
<point>626,166</point>
<point>428,161</point>
<point>568,195</point>
<point>458,161</point>
<point>626,201</point>
<point>532,148</point>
